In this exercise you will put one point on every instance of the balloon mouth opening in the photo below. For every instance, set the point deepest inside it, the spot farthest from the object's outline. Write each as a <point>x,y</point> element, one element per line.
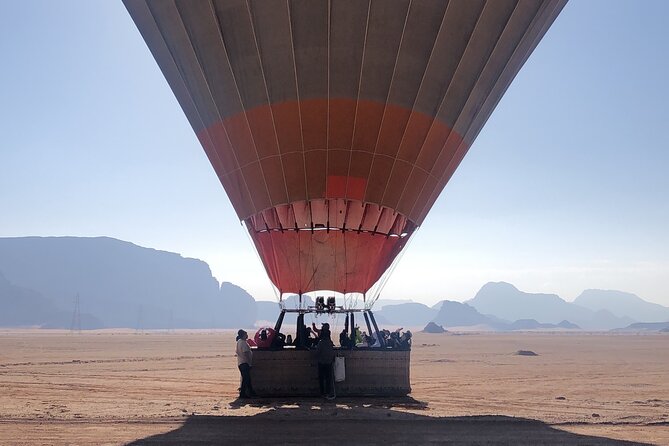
<point>326,229</point>
<point>335,244</point>
<point>332,214</point>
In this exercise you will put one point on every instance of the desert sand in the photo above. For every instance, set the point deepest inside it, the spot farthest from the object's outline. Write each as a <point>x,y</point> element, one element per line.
<point>115,387</point>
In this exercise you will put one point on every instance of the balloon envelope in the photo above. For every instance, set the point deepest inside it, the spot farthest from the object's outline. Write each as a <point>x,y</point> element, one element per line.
<point>334,125</point>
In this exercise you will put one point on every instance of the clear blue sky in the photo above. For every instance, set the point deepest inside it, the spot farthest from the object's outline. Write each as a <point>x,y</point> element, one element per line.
<point>566,187</point>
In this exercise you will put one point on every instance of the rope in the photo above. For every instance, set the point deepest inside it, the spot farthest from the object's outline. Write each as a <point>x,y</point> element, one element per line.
<point>381,283</point>
<point>274,288</point>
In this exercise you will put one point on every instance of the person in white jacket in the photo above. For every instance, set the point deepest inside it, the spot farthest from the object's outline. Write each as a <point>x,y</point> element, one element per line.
<point>244,362</point>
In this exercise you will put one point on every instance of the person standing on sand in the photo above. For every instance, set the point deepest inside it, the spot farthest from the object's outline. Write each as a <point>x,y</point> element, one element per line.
<point>244,361</point>
<point>326,356</point>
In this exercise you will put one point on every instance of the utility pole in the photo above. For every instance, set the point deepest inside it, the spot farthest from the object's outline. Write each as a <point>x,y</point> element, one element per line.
<point>76,316</point>
<point>170,326</point>
<point>139,328</point>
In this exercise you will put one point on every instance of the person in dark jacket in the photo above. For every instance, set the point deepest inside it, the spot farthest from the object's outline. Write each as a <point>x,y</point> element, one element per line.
<point>325,354</point>
<point>324,326</point>
<point>344,340</point>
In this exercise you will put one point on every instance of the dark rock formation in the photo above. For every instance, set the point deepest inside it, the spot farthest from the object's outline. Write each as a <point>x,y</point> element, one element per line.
<point>433,328</point>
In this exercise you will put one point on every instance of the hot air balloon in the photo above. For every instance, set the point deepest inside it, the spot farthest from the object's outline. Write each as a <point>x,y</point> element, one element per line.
<point>333,125</point>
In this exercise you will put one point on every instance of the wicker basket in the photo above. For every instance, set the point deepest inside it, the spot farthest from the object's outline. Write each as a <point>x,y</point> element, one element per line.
<point>291,372</point>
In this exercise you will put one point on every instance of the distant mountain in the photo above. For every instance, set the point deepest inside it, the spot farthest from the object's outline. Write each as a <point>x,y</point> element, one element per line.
<point>531,324</point>
<point>623,304</point>
<point>433,328</point>
<point>438,305</point>
<point>267,311</point>
<point>407,315</point>
<point>239,307</point>
<point>507,302</point>
<point>22,307</point>
<point>124,285</point>
<point>292,301</point>
<point>120,284</point>
<point>457,314</point>
<point>568,325</point>
<point>382,322</point>
<point>646,326</point>
<point>605,320</point>
<point>497,320</point>
<point>380,303</point>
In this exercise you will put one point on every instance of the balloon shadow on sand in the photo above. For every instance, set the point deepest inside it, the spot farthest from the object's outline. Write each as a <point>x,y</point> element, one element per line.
<point>363,421</point>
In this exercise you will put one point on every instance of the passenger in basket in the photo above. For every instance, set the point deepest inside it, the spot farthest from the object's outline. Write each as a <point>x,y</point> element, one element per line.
<point>324,326</point>
<point>344,340</point>
<point>370,340</point>
<point>405,340</point>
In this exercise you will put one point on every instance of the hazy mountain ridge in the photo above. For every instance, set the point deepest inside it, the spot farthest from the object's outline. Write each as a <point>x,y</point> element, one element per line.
<point>531,324</point>
<point>268,311</point>
<point>501,306</point>
<point>408,314</point>
<point>124,285</point>
<point>121,284</point>
<point>25,307</point>
<point>506,301</point>
<point>623,304</point>
<point>380,303</point>
<point>453,314</point>
<point>458,314</point>
<point>646,326</point>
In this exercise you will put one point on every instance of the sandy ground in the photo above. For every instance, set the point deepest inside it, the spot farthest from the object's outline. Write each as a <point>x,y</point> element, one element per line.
<point>179,388</point>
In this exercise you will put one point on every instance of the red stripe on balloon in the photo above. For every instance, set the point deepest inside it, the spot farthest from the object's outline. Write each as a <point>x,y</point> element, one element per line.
<point>331,148</point>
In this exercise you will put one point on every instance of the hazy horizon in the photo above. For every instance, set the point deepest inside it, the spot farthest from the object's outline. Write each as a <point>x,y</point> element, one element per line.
<point>564,189</point>
<point>312,294</point>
